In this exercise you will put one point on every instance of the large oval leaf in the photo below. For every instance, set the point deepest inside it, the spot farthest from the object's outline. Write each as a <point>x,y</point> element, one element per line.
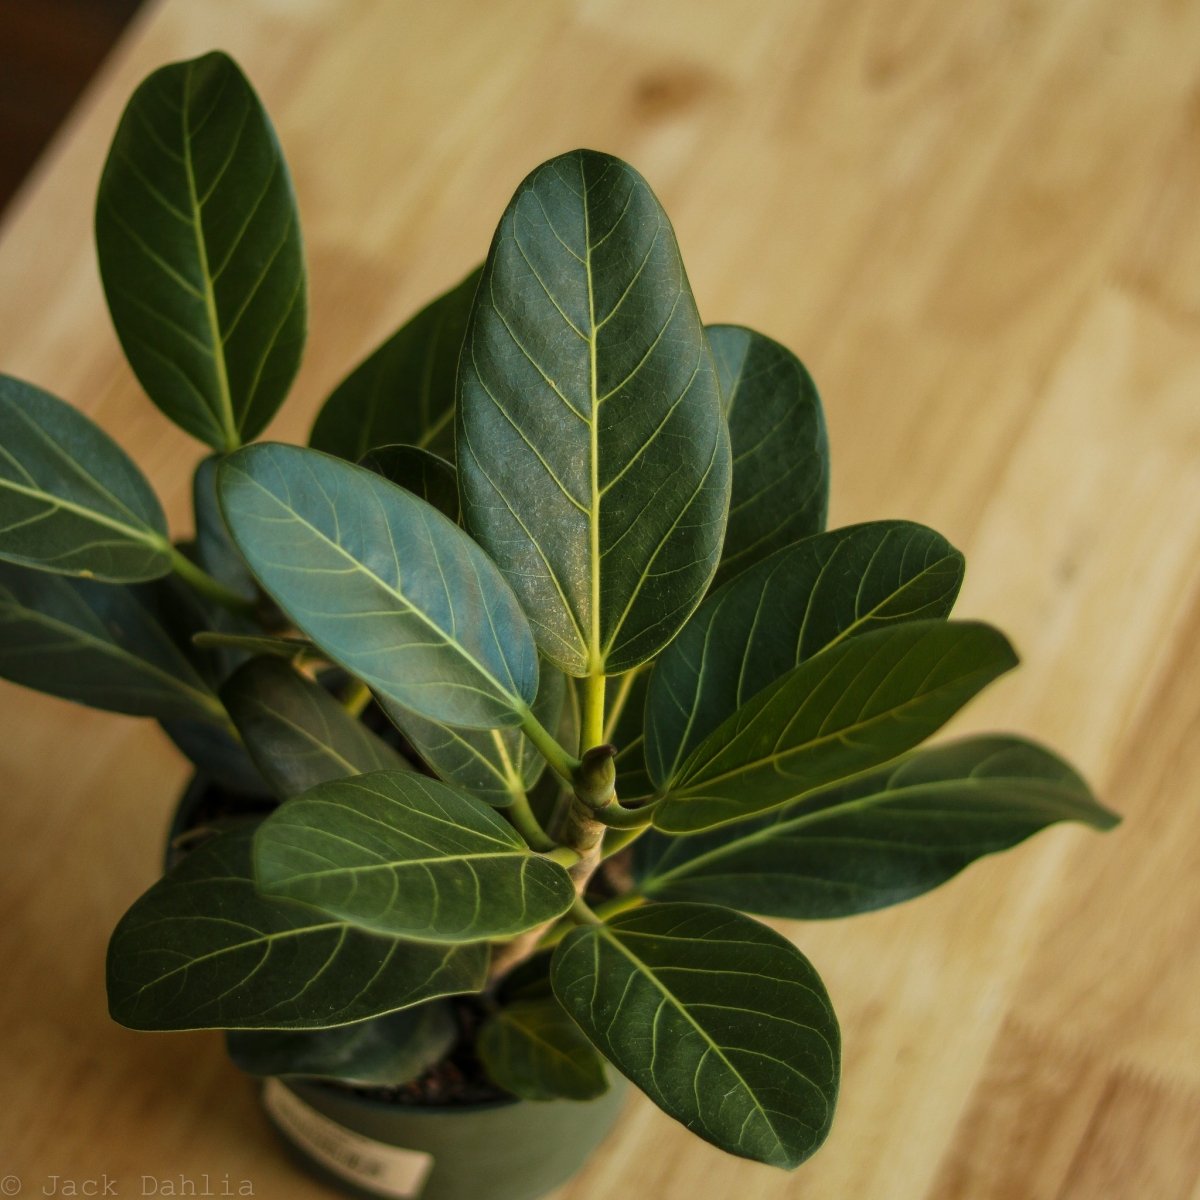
<point>494,765</point>
<point>382,1052</point>
<point>202,949</point>
<point>402,854</point>
<point>780,447</point>
<point>781,612</point>
<point>593,459</point>
<point>441,634</point>
<point>851,708</point>
<point>532,1049</point>
<point>297,733</point>
<point>101,644</point>
<point>404,392</point>
<point>722,1022</point>
<point>200,254</point>
<point>878,839</point>
<point>71,500</point>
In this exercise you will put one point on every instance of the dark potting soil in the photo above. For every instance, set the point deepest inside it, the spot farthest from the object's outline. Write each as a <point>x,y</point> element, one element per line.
<point>455,1081</point>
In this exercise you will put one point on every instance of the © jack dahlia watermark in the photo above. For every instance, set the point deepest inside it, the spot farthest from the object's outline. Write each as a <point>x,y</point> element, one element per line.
<point>111,1185</point>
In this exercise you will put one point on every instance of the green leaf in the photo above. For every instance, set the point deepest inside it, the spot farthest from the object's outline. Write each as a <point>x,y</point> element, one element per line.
<point>853,707</point>
<point>202,949</point>
<point>534,1050</point>
<point>217,753</point>
<point>200,255</point>
<point>71,500</point>
<point>404,392</point>
<point>444,636</point>
<point>402,854</point>
<point>420,472</point>
<point>781,612</point>
<point>297,733</point>
<point>213,548</point>
<point>494,765</point>
<point>876,840</point>
<point>593,458</point>
<point>104,645</point>
<point>382,1052</point>
<point>722,1022</point>
<point>780,448</point>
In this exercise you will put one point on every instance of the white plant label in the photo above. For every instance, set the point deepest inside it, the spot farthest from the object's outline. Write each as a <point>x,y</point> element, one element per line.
<point>376,1167</point>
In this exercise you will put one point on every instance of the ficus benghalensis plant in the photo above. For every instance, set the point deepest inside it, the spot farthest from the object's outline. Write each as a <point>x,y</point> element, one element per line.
<point>571,541</point>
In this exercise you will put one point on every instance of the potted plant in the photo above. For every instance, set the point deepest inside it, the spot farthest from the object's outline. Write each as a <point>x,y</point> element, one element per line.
<point>510,694</point>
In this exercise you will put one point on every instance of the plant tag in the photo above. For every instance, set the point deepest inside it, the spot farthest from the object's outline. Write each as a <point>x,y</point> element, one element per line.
<point>368,1164</point>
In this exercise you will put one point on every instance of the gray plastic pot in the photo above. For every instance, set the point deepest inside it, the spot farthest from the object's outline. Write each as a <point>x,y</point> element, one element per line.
<point>510,1150</point>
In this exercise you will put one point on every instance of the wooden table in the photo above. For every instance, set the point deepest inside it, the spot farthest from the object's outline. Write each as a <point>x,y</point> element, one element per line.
<point>980,226</point>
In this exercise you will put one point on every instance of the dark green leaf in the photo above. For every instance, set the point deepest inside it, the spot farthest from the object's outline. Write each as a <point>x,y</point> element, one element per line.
<point>534,1050</point>
<point>593,459</point>
<point>71,501</point>
<point>200,254</point>
<point>633,779</point>
<point>99,644</point>
<point>854,706</point>
<point>494,765</point>
<point>420,472</point>
<point>722,1022</point>
<point>780,449</point>
<point>296,732</point>
<point>444,636</point>
<point>879,839</point>
<point>213,547</point>
<point>781,612</point>
<point>216,753</point>
<point>382,1052</point>
<point>403,854</point>
<point>203,950</point>
<point>403,393</point>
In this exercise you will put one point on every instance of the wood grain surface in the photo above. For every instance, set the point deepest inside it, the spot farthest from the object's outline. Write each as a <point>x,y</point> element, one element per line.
<point>979,224</point>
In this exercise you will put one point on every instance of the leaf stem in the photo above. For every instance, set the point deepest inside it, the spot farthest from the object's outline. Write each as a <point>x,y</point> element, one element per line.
<point>618,839</point>
<point>206,585</point>
<point>562,763</point>
<point>528,826</point>
<point>593,710</point>
<point>355,697</point>
<point>617,817</point>
<point>581,914</point>
<point>619,904</point>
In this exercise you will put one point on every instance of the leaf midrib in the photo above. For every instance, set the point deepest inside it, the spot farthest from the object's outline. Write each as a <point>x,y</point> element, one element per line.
<point>518,704</point>
<point>812,743</point>
<point>229,429</point>
<point>860,804</point>
<point>678,1004</point>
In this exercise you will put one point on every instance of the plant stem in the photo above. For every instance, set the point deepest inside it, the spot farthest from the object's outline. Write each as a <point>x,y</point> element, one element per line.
<point>618,839</point>
<point>527,825</point>
<point>206,585</point>
<point>562,763</point>
<point>581,914</point>
<point>355,697</point>
<point>616,817</point>
<point>619,904</point>
<point>593,710</point>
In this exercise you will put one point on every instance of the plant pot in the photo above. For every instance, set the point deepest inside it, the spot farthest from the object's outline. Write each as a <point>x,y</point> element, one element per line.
<point>510,1150</point>
<point>506,1150</point>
